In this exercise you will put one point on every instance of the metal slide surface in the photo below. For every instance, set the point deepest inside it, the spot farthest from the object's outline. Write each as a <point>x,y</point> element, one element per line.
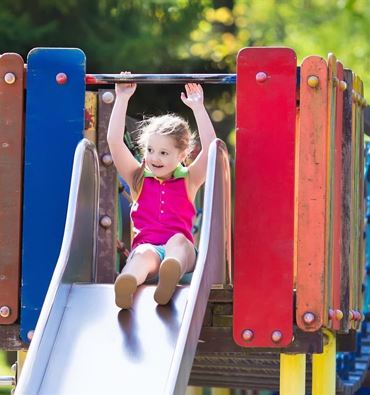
<point>84,344</point>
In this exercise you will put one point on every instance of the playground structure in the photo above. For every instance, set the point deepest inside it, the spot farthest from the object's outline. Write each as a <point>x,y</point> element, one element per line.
<point>298,282</point>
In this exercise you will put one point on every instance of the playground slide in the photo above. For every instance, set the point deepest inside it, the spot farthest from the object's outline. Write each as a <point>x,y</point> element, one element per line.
<point>84,344</point>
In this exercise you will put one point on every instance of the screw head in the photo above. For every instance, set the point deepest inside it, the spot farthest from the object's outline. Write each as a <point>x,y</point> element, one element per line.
<point>105,221</point>
<point>338,314</point>
<point>276,336</point>
<point>61,78</point>
<point>342,85</point>
<point>4,311</point>
<point>108,97</point>
<point>9,78</point>
<point>308,318</point>
<point>107,159</point>
<point>247,335</point>
<point>261,76</point>
<point>313,81</point>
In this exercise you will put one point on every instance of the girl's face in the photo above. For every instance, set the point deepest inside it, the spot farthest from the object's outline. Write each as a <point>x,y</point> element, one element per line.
<point>162,156</point>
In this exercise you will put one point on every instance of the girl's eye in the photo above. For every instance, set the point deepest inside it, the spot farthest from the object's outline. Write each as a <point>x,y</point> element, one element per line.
<point>150,150</point>
<point>164,153</point>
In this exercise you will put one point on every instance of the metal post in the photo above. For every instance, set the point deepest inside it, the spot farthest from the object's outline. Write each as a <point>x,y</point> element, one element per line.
<point>99,79</point>
<point>292,374</point>
<point>324,367</point>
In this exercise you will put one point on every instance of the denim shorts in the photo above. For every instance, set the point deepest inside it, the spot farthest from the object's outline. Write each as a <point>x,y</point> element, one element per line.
<point>160,250</point>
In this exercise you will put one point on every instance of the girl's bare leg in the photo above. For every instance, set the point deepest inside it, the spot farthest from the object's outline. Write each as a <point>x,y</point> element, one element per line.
<point>145,261</point>
<point>180,258</point>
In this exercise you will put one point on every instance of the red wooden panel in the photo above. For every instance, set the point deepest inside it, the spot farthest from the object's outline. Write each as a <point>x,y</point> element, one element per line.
<point>338,215</point>
<point>312,185</point>
<point>11,165</point>
<point>264,197</point>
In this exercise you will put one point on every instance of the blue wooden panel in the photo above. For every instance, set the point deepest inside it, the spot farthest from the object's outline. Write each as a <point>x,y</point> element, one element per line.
<point>54,125</point>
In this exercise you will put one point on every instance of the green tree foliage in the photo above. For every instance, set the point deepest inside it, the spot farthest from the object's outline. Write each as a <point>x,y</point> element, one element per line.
<point>167,36</point>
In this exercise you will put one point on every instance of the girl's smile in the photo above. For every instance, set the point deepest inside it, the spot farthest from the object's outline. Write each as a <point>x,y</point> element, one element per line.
<point>162,156</point>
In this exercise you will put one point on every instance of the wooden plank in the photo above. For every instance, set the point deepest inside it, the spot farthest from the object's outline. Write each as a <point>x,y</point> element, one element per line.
<point>330,170</point>
<point>107,233</point>
<point>337,200</point>
<point>54,126</point>
<point>11,183</point>
<point>264,197</point>
<point>347,196</point>
<point>354,278</point>
<point>9,338</point>
<point>361,200</point>
<point>312,185</point>
<point>91,110</point>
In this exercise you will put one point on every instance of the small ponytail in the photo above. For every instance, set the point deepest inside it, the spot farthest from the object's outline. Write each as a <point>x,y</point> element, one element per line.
<point>138,177</point>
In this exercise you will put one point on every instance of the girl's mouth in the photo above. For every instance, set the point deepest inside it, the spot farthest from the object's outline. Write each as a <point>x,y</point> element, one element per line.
<point>157,166</point>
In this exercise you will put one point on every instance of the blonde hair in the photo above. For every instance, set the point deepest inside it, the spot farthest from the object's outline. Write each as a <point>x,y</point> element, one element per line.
<point>170,125</point>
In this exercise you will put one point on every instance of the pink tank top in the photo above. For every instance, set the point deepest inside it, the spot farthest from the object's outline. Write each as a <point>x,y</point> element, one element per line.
<point>162,209</point>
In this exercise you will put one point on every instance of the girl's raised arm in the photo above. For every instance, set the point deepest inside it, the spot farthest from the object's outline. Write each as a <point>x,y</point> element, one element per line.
<point>198,169</point>
<point>124,161</point>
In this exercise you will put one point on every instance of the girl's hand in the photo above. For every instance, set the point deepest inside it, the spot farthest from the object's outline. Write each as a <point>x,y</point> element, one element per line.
<point>193,97</point>
<point>123,89</point>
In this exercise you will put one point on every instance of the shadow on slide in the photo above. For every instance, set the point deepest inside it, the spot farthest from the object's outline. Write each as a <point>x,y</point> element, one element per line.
<point>83,344</point>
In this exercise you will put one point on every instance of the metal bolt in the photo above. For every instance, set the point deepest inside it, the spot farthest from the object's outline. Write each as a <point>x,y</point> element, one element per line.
<point>313,81</point>
<point>61,78</point>
<point>339,314</point>
<point>4,311</point>
<point>247,335</point>
<point>261,76</point>
<point>308,318</point>
<point>108,97</point>
<point>107,159</point>
<point>30,334</point>
<point>9,78</point>
<point>276,336</point>
<point>105,221</point>
<point>342,85</point>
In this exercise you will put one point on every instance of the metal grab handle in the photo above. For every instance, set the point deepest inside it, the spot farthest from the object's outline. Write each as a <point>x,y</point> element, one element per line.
<point>93,79</point>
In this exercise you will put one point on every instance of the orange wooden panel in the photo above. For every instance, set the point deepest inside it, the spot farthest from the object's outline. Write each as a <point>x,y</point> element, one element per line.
<point>311,205</point>
<point>337,200</point>
<point>11,166</point>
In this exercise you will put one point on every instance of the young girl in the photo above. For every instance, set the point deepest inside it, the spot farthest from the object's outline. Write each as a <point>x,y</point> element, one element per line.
<point>163,192</point>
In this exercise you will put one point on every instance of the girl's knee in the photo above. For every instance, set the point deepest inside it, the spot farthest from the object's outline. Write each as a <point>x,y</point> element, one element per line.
<point>178,239</point>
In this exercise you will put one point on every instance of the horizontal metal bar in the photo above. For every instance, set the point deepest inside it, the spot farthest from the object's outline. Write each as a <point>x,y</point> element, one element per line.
<point>7,381</point>
<point>98,79</point>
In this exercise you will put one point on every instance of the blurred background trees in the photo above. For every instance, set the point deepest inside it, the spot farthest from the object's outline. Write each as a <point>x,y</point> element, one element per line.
<point>185,36</point>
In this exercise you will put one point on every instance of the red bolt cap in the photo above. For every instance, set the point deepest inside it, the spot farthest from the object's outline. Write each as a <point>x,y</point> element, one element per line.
<point>61,78</point>
<point>261,76</point>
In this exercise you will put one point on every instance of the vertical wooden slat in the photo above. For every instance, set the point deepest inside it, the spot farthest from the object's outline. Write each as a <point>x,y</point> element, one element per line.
<point>91,109</point>
<point>361,206</point>
<point>107,233</point>
<point>337,200</point>
<point>11,184</point>
<point>347,197</point>
<point>264,198</point>
<point>332,78</point>
<point>353,305</point>
<point>312,184</point>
